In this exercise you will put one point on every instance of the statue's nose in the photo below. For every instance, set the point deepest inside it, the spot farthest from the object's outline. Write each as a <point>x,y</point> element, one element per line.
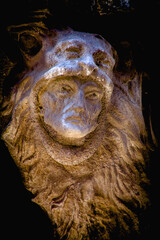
<point>88,64</point>
<point>78,102</point>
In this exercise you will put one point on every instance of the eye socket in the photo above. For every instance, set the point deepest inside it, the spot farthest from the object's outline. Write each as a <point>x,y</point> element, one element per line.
<point>65,90</point>
<point>93,95</point>
<point>30,44</point>
<point>73,51</point>
<point>101,59</point>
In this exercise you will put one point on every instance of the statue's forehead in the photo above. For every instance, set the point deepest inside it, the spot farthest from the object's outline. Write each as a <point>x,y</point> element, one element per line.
<point>84,82</point>
<point>89,40</point>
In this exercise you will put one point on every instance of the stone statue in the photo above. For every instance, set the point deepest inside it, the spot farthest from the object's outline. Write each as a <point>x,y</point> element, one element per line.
<point>77,134</point>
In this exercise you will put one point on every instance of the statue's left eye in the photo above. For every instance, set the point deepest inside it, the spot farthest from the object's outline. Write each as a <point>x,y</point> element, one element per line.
<point>93,95</point>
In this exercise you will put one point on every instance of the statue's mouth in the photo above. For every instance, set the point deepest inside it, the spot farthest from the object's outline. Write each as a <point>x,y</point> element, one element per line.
<point>75,120</point>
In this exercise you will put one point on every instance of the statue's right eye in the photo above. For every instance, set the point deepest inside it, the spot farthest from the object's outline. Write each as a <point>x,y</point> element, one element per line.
<point>65,90</point>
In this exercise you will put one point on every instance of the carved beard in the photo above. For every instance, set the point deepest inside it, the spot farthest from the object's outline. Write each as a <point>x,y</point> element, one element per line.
<point>100,195</point>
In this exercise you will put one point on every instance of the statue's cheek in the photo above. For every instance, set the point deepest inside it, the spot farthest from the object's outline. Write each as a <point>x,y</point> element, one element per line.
<point>93,110</point>
<point>47,101</point>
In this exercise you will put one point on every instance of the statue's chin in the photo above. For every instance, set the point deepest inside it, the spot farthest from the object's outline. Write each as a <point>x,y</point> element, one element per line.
<point>74,134</point>
<point>68,133</point>
<point>65,140</point>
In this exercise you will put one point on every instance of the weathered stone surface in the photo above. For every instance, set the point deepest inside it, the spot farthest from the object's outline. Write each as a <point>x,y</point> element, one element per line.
<point>76,131</point>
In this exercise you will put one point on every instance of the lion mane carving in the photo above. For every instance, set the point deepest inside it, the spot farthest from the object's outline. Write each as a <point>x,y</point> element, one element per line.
<point>96,188</point>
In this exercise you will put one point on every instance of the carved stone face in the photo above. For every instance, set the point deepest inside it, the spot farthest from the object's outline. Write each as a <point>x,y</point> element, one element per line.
<point>88,51</point>
<point>71,106</point>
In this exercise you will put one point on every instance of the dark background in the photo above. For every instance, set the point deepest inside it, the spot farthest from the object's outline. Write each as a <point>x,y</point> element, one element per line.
<point>137,23</point>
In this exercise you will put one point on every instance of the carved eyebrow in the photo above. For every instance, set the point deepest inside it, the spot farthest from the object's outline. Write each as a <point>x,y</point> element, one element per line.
<point>73,43</point>
<point>62,82</point>
<point>92,87</point>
